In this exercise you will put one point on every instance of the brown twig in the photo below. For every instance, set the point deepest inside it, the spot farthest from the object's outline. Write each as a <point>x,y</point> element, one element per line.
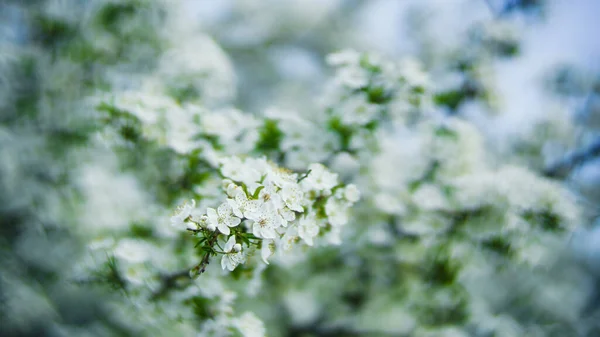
<point>563,167</point>
<point>201,267</point>
<point>168,282</point>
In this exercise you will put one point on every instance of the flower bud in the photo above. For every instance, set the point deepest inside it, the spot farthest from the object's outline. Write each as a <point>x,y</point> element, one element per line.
<point>351,193</point>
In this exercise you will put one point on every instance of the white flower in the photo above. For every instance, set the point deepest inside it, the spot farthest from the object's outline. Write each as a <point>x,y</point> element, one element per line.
<point>236,170</point>
<point>145,107</point>
<point>287,215</point>
<point>232,189</point>
<point>353,77</point>
<point>249,325</point>
<point>290,236</point>
<point>243,207</point>
<point>222,218</point>
<point>229,244</point>
<point>265,224</point>
<point>232,167</point>
<point>267,249</point>
<point>390,203</point>
<point>101,243</point>
<point>280,177</point>
<point>198,221</point>
<point>304,306</point>
<point>136,274</point>
<point>181,131</point>
<point>319,178</point>
<point>233,255</point>
<point>337,213</point>
<point>133,251</point>
<point>268,195</point>
<point>182,214</point>
<point>227,124</point>
<point>356,110</point>
<point>351,193</point>
<point>260,165</point>
<point>430,197</point>
<point>292,197</point>
<point>307,230</point>
<point>411,70</point>
<point>334,236</point>
<point>343,58</point>
<point>211,226</point>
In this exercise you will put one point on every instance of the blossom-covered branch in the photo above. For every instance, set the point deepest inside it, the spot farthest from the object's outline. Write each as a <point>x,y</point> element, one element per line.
<point>267,208</point>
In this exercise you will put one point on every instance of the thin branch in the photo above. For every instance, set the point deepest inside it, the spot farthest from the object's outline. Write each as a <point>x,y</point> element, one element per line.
<point>169,281</point>
<point>491,7</point>
<point>593,302</point>
<point>565,166</point>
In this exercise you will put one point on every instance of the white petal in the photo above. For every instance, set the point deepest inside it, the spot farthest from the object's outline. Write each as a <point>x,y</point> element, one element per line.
<point>265,251</point>
<point>268,233</point>
<point>230,264</point>
<point>224,209</point>
<point>229,244</point>
<point>232,221</point>
<point>224,262</point>
<point>256,230</point>
<point>212,215</point>
<point>235,208</point>
<point>223,228</point>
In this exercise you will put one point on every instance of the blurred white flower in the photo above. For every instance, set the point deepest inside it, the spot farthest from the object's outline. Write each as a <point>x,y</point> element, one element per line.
<point>319,178</point>
<point>351,193</point>
<point>182,214</point>
<point>337,212</point>
<point>133,250</point>
<point>430,197</point>
<point>266,250</point>
<point>343,58</point>
<point>356,110</point>
<point>249,325</point>
<point>308,229</point>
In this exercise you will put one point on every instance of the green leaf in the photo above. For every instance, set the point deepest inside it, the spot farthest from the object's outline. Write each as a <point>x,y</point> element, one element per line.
<point>498,244</point>
<point>141,231</point>
<point>111,14</point>
<point>257,192</point>
<point>270,136</point>
<point>452,99</point>
<point>443,131</point>
<point>544,219</point>
<point>378,95</point>
<point>52,32</point>
<point>344,132</point>
<point>201,307</point>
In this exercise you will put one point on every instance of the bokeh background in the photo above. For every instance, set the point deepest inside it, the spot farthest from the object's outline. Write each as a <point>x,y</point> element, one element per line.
<point>83,206</point>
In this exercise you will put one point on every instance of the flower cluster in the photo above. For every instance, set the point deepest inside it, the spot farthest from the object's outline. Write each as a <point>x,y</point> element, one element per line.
<point>152,117</point>
<point>365,84</point>
<point>441,244</point>
<point>270,208</point>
